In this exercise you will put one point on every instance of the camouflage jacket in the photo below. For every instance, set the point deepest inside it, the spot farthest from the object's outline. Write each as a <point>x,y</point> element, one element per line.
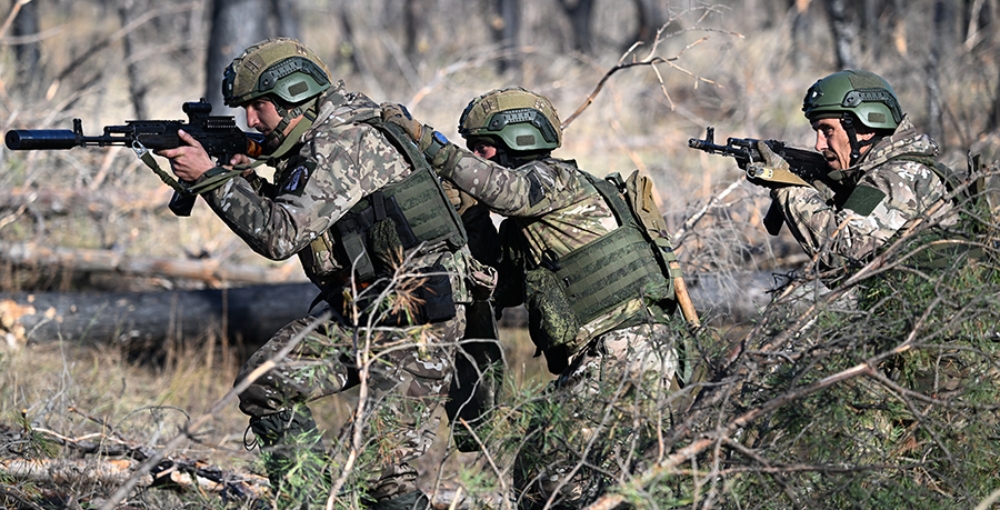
<point>339,161</point>
<point>556,209</point>
<point>823,223</point>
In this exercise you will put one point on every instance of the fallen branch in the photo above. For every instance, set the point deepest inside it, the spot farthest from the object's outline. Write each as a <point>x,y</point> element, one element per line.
<point>82,260</point>
<point>183,475</point>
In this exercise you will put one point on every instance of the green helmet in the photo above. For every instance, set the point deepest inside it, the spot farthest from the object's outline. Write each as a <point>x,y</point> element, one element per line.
<point>864,94</point>
<point>282,68</point>
<point>519,120</point>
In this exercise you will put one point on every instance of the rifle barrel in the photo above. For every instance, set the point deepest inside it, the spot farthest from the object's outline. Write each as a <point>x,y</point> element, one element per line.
<point>40,139</point>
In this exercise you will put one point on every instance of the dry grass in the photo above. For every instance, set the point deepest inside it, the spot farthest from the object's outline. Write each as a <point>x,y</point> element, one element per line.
<point>756,81</point>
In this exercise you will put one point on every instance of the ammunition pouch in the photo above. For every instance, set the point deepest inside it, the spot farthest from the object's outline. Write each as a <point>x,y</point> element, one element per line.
<point>552,323</point>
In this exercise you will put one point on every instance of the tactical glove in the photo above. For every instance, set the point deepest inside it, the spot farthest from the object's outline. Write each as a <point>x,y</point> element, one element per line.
<point>774,171</point>
<point>459,199</point>
<point>421,134</point>
<point>441,154</point>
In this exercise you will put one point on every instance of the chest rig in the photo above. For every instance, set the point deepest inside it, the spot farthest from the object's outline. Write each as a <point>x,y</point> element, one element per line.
<point>375,236</point>
<point>562,295</point>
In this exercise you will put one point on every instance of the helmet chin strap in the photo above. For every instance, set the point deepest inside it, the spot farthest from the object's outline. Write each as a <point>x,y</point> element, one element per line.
<point>277,135</point>
<point>847,121</point>
<point>276,139</point>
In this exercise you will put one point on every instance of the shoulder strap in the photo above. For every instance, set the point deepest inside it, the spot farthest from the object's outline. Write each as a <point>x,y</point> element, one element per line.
<point>401,141</point>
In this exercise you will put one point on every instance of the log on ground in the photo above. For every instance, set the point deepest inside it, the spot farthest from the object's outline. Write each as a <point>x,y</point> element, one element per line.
<point>251,314</point>
<point>254,313</point>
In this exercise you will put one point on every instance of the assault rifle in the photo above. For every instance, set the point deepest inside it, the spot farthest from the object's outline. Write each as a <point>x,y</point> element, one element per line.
<point>805,166</point>
<point>219,135</point>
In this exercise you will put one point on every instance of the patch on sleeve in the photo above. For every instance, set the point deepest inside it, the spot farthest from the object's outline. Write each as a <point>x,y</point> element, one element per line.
<point>535,191</point>
<point>864,200</point>
<point>295,184</point>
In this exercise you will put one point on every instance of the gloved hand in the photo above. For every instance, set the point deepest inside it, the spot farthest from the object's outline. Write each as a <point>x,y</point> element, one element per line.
<point>459,199</point>
<point>774,171</point>
<point>772,164</point>
<point>397,114</point>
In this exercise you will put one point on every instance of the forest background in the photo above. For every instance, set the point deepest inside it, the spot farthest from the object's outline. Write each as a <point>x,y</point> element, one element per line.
<point>740,66</point>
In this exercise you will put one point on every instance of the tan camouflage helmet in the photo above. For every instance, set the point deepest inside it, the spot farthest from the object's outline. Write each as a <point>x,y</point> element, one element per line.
<point>283,68</point>
<point>518,119</point>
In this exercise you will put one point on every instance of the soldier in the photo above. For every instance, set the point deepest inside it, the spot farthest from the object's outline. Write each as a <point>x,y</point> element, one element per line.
<point>596,288</point>
<point>885,170</point>
<point>353,206</point>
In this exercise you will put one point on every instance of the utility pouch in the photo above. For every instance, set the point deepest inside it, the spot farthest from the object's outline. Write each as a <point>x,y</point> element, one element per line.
<point>353,244</point>
<point>434,297</point>
<point>319,261</point>
<point>552,323</point>
<point>376,223</point>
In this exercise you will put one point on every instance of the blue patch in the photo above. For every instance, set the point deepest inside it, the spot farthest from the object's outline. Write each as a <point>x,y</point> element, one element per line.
<point>297,179</point>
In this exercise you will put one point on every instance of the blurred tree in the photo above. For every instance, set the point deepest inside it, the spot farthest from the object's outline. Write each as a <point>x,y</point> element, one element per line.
<point>978,17</point>
<point>235,24</point>
<point>650,18</point>
<point>942,40</point>
<point>287,19</point>
<point>580,13</point>
<point>28,51</point>
<point>843,34</point>
<point>412,21</point>
<point>506,25</point>
<point>800,30</point>
<point>134,66</point>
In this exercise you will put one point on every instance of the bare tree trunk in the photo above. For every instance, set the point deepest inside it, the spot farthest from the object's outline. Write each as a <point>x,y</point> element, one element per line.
<point>286,16</point>
<point>800,30</point>
<point>579,18</point>
<point>843,34</point>
<point>359,56</point>
<point>134,67</point>
<point>870,39</point>
<point>28,54</point>
<point>236,24</point>
<point>412,20</point>
<point>650,19</point>
<point>506,28</point>
<point>939,34</point>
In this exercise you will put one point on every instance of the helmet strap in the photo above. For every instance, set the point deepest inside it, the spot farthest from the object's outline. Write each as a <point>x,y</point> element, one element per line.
<point>308,110</point>
<point>847,121</point>
<point>501,157</point>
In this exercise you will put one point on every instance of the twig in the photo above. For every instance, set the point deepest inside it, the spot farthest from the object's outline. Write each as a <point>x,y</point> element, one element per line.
<point>13,14</point>
<point>489,458</point>
<point>698,215</point>
<point>226,399</point>
<point>650,60</point>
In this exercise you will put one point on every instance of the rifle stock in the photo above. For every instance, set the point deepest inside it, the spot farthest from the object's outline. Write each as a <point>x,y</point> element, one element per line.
<point>219,135</point>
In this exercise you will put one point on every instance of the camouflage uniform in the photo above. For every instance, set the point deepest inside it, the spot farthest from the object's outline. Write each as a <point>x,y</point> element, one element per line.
<point>589,258</point>
<point>896,166</point>
<point>341,161</point>
<point>932,297</point>
<point>556,210</point>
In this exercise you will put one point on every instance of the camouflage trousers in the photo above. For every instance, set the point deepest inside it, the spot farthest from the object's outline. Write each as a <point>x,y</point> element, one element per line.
<point>409,376</point>
<point>594,421</point>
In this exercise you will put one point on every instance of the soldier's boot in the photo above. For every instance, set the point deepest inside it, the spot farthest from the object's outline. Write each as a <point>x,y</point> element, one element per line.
<point>415,500</point>
<point>294,457</point>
